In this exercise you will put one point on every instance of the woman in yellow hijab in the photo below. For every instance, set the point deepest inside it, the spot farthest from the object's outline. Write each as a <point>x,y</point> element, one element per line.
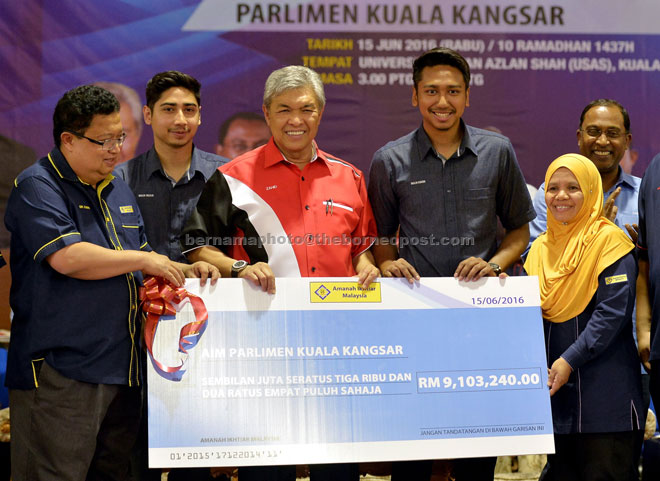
<point>587,272</point>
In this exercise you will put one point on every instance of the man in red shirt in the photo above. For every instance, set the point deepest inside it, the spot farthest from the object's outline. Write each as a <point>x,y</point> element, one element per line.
<point>286,209</point>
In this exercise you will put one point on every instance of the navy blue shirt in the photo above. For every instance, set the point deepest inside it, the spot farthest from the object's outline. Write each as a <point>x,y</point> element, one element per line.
<point>85,329</point>
<point>447,212</point>
<point>603,393</point>
<point>649,244</point>
<point>164,204</point>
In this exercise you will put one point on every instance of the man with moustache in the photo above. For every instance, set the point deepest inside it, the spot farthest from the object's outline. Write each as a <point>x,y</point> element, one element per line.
<point>240,133</point>
<point>603,137</point>
<point>473,175</point>
<point>78,253</point>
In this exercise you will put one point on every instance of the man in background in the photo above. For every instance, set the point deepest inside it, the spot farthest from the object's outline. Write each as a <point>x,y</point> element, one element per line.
<point>603,137</point>
<point>240,133</point>
<point>130,111</point>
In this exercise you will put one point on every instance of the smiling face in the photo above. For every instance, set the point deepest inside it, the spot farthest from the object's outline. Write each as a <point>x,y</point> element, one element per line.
<point>441,96</point>
<point>174,119</point>
<point>602,138</point>
<point>293,118</point>
<point>563,195</point>
<point>88,160</point>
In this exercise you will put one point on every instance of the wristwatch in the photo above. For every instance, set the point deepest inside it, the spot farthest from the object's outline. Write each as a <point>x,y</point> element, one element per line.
<point>237,267</point>
<point>496,268</point>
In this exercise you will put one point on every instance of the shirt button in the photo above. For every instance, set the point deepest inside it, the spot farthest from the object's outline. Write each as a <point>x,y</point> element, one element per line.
<point>449,191</point>
<point>313,269</point>
<point>306,207</point>
<point>302,177</point>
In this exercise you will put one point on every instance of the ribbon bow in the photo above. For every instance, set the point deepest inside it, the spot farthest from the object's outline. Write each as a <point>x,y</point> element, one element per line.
<point>160,299</point>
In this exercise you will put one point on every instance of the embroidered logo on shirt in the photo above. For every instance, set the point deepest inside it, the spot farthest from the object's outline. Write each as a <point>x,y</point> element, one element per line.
<point>145,195</point>
<point>418,182</point>
<point>126,209</point>
<point>86,207</point>
<point>616,279</point>
<point>271,187</point>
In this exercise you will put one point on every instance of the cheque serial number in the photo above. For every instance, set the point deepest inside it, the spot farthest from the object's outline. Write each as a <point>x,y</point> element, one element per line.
<point>498,301</point>
<point>239,454</point>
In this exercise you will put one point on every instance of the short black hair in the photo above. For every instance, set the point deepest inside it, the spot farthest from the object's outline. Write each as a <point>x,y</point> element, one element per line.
<point>77,108</point>
<point>440,56</point>
<point>224,128</point>
<point>163,81</point>
<point>607,103</point>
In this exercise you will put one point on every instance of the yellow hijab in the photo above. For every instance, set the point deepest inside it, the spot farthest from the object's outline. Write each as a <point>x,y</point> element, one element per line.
<point>569,257</point>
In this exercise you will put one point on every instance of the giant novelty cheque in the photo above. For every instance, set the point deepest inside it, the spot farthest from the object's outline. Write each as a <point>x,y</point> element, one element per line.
<point>325,372</point>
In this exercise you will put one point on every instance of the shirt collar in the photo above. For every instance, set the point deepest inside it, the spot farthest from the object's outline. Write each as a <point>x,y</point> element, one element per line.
<point>274,155</point>
<point>626,179</point>
<point>153,164</point>
<point>425,144</point>
<point>61,165</point>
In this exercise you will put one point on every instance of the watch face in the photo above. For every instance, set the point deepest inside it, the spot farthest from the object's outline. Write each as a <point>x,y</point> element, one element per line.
<point>239,265</point>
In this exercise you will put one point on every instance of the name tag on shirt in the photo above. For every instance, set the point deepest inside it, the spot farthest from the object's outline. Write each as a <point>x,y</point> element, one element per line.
<point>616,279</point>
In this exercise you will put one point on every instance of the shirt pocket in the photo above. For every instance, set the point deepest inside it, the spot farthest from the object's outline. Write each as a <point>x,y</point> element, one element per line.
<point>341,217</point>
<point>130,231</point>
<point>479,205</point>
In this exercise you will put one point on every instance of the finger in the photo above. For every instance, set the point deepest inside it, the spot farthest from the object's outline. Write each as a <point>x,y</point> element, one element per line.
<point>613,195</point>
<point>270,284</point>
<point>412,271</point>
<point>177,274</point>
<point>372,274</point>
<point>262,279</point>
<point>478,271</point>
<point>203,273</point>
<point>408,274</point>
<point>388,273</point>
<point>461,270</point>
<point>215,275</point>
<point>171,275</point>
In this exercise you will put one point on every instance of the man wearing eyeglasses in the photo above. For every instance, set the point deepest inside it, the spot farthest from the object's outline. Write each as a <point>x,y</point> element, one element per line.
<point>603,137</point>
<point>78,253</point>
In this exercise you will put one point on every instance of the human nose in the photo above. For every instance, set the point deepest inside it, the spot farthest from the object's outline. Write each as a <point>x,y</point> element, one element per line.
<point>602,138</point>
<point>180,117</point>
<point>562,194</point>
<point>442,100</point>
<point>295,118</point>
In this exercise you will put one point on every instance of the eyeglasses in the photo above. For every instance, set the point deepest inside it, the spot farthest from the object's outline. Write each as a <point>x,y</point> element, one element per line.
<point>107,144</point>
<point>595,132</point>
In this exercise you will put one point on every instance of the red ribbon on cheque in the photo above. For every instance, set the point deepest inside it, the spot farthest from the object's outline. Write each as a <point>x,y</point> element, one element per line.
<point>161,300</point>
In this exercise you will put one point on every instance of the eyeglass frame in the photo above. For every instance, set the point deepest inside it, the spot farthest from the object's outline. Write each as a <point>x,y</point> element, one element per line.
<point>118,142</point>
<point>600,132</point>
